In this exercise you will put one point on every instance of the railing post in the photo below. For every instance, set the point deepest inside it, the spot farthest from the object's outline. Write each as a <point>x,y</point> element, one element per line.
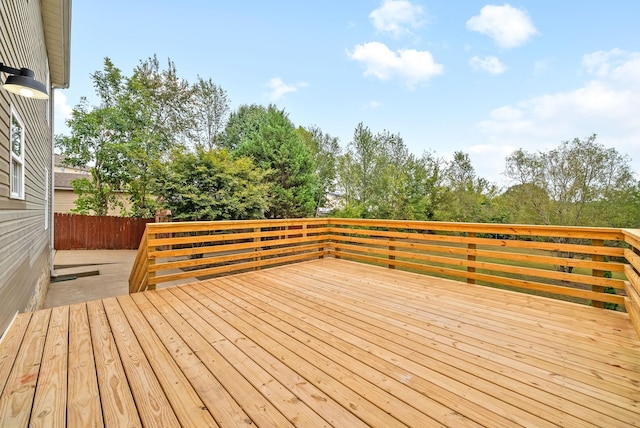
<point>258,238</point>
<point>391,248</point>
<point>150,262</point>
<point>471,258</point>
<point>323,242</point>
<point>336,250</point>
<point>597,272</point>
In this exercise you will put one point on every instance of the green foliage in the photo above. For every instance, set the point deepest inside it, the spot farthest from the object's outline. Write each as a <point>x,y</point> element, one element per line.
<point>92,200</point>
<point>96,141</point>
<point>145,122</point>
<point>138,121</point>
<point>210,105</point>
<point>381,179</point>
<point>425,190</point>
<point>580,183</point>
<point>325,150</point>
<point>157,110</point>
<point>276,147</point>
<point>609,290</point>
<point>468,198</point>
<point>360,172</point>
<point>242,125</point>
<point>211,185</point>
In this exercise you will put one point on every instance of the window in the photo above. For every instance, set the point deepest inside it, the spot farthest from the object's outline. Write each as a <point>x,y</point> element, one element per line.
<point>16,168</point>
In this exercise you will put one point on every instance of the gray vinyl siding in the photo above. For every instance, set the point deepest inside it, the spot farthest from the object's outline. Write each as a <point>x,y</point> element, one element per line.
<point>24,241</point>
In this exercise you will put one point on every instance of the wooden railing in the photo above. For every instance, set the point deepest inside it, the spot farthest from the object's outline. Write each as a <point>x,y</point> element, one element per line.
<point>586,265</point>
<point>632,272</point>
<point>177,251</point>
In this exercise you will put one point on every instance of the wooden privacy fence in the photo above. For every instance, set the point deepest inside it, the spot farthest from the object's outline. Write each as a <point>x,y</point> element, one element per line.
<point>81,232</point>
<point>586,265</point>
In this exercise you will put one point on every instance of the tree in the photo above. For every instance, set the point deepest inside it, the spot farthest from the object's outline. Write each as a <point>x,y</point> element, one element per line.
<point>360,169</point>
<point>242,125</point>
<point>158,109</point>
<point>575,184</point>
<point>211,185</point>
<point>138,121</point>
<point>277,148</point>
<point>95,142</point>
<point>425,189</point>
<point>381,179</point>
<point>210,110</point>
<point>325,150</point>
<point>468,197</point>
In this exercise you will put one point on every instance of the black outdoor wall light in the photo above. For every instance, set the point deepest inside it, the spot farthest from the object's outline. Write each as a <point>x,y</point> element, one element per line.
<point>22,82</point>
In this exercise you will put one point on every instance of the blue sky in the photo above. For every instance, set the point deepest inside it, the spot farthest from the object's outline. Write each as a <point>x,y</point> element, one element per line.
<point>472,76</point>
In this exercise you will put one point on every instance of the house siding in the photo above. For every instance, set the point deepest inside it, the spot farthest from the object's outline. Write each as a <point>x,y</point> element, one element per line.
<point>24,240</point>
<point>64,201</point>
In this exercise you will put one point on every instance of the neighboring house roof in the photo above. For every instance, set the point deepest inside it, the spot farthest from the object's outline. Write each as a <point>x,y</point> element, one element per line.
<point>56,17</point>
<point>60,167</point>
<point>58,159</point>
<point>62,180</point>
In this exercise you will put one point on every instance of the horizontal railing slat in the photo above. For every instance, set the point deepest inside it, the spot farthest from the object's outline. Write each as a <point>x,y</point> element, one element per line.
<point>561,261</point>
<point>492,228</point>
<point>157,242</point>
<point>202,226</point>
<point>537,258</point>
<point>231,257</point>
<point>511,282</point>
<point>231,268</point>
<point>530,245</point>
<point>519,270</point>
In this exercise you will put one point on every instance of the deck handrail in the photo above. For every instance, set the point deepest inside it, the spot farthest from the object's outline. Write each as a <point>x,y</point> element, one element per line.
<point>184,250</point>
<point>632,272</point>
<point>573,262</point>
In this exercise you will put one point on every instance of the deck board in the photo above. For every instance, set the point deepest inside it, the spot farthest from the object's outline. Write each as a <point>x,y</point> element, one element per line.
<point>322,343</point>
<point>118,407</point>
<point>190,411</point>
<point>17,398</point>
<point>84,397</point>
<point>50,401</point>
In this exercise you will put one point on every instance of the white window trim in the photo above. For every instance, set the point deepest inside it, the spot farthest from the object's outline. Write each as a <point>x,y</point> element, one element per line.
<point>13,157</point>
<point>46,198</point>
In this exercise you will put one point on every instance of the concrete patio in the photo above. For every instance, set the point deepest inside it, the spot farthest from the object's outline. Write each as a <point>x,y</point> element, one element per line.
<point>114,267</point>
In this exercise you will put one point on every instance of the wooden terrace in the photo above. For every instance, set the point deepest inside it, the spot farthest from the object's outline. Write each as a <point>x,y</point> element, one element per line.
<point>345,336</point>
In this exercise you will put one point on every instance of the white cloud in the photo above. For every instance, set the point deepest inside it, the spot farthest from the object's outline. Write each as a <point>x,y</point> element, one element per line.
<point>61,112</point>
<point>506,113</point>
<point>375,104</point>
<point>606,105</point>
<point>508,26</point>
<point>62,109</point>
<point>279,88</point>
<point>621,65</point>
<point>411,66</point>
<point>397,17</point>
<point>490,64</point>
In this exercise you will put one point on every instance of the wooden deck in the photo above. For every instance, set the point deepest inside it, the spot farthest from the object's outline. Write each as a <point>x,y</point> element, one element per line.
<point>321,343</point>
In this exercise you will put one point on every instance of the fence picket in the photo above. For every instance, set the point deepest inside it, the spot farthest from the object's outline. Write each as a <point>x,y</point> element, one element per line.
<point>81,232</point>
